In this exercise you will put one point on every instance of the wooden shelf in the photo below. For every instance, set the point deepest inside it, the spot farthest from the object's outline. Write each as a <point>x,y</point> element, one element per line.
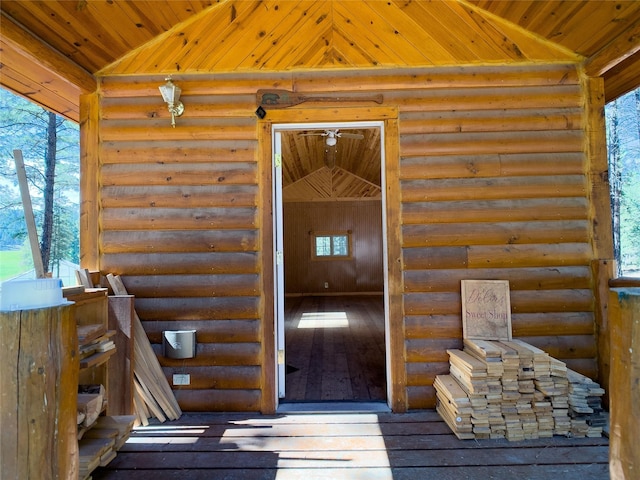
<point>95,452</point>
<point>95,347</point>
<point>90,332</point>
<point>65,341</point>
<point>96,359</point>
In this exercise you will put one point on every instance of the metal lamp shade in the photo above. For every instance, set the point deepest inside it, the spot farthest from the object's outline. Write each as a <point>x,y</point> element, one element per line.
<point>170,92</point>
<point>171,95</point>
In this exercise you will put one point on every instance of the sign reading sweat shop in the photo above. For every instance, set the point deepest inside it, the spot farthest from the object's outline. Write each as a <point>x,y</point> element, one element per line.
<point>486,309</point>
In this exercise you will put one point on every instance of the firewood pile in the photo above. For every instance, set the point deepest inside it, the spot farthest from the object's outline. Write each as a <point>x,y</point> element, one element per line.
<point>513,390</point>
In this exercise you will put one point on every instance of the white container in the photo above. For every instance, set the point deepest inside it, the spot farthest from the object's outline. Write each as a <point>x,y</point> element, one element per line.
<point>27,294</point>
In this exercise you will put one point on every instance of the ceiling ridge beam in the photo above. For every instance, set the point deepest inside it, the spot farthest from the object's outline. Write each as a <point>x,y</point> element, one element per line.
<point>363,180</point>
<point>615,52</point>
<point>534,36</point>
<point>32,47</point>
<point>322,170</point>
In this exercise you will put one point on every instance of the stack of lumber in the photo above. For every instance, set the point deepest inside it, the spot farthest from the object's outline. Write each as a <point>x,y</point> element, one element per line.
<point>90,403</point>
<point>491,357</point>
<point>152,395</point>
<point>95,344</point>
<point>101,441</point>
<point>585,406</point>
<point>472,373</point>
<point>454,406</point>
<point>513,390</point>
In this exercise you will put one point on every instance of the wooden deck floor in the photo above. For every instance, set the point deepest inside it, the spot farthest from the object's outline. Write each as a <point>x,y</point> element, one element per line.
<point>369,446</point>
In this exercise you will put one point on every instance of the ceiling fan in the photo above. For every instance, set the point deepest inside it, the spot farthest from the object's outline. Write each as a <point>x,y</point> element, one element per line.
<point>333,135</point>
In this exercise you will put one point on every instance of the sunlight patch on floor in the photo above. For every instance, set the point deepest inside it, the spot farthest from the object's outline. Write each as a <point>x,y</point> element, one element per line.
<point>168,429</point>
<point>348,455</point>
<point>167,434</point>
<point>324,320</point>
<point>168,440</point>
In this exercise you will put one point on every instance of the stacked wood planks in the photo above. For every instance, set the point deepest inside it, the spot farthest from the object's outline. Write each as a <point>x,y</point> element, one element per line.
<point>152,395</point>
<point>101,441</point>
<point>585,406</point>
<point>513,390</point>
<point>454,406</point>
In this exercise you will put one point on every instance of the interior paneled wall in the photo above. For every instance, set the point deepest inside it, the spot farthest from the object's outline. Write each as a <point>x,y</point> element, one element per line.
<point>362,273</point>
<point>492,182</point>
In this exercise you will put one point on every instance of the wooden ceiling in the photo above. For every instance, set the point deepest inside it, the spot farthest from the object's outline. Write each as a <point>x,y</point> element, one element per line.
<point>54,50</point>
<point>313,171</point>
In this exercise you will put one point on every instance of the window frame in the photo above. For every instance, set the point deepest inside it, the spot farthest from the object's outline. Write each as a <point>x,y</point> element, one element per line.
<point>332,234</point>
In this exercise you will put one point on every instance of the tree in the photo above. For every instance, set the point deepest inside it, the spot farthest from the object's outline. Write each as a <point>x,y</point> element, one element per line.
<point>614,174</point>
<point>623,138</point>
<point>49,183</point>
<point>50,146</point>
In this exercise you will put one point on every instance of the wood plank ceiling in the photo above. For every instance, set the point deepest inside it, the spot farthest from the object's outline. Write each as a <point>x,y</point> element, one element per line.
<point>52,51</point>
<point>281,36</point>
<point>314,171</point>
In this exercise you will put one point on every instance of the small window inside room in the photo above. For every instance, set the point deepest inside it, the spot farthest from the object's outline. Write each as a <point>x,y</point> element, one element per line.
<point>327,246</point>
<point>623,147</point>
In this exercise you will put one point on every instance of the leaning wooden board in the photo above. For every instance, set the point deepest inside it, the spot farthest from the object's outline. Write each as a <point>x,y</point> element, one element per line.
<point>147,369</point>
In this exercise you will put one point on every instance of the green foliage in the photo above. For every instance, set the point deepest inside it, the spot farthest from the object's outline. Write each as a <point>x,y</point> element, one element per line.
<point>11,264</point>
<point>623,132</point>
<point>630,221</point>
<point>23,126</point>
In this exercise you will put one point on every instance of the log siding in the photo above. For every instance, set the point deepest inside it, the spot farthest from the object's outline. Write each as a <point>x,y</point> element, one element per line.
<point>492,184</point>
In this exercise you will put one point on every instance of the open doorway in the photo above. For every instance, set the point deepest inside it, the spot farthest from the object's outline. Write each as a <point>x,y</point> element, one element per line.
<point>331,255</point>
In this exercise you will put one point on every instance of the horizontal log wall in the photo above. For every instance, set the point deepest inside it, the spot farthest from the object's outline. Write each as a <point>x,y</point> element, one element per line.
<point>180,222</point>
<point>492,186</point>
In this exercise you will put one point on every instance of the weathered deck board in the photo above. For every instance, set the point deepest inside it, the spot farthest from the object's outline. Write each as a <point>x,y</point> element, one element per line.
<point>343,445</point>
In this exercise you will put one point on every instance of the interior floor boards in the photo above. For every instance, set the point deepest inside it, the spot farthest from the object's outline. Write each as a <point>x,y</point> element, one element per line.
<point>335,349</point>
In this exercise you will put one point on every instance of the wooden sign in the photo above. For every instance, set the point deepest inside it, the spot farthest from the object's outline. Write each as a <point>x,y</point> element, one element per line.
<point>486,309</point>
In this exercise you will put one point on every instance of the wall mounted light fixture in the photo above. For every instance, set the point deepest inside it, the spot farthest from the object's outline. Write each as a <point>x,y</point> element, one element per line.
<point>171,94</point>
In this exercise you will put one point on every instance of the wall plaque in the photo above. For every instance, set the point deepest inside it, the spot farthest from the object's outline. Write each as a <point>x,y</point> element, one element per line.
<point>486,309</point>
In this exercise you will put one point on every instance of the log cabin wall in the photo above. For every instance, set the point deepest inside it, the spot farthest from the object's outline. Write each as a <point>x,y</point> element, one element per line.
<point>493,185</point>
<point>179,221</point>
<point>361,273</point>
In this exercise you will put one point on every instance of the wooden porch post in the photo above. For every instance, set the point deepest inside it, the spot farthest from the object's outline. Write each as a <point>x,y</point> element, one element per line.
<point>89,200</point>
<point>624,384</point>
<point>603,264</point>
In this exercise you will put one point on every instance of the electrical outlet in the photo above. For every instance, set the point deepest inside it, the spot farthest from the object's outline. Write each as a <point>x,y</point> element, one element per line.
<point>326,284</point>
<point>181,379</point>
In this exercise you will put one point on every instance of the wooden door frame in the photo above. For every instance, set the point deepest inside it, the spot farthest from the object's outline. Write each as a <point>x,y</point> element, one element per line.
<point>396,378</point>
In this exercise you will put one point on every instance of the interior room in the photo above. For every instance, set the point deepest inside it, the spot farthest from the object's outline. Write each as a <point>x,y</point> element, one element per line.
<point>333,265</point>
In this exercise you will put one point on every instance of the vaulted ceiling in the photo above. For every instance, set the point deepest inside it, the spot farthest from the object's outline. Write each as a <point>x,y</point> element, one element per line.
<point>52,51</point>
<point>313,170</point>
